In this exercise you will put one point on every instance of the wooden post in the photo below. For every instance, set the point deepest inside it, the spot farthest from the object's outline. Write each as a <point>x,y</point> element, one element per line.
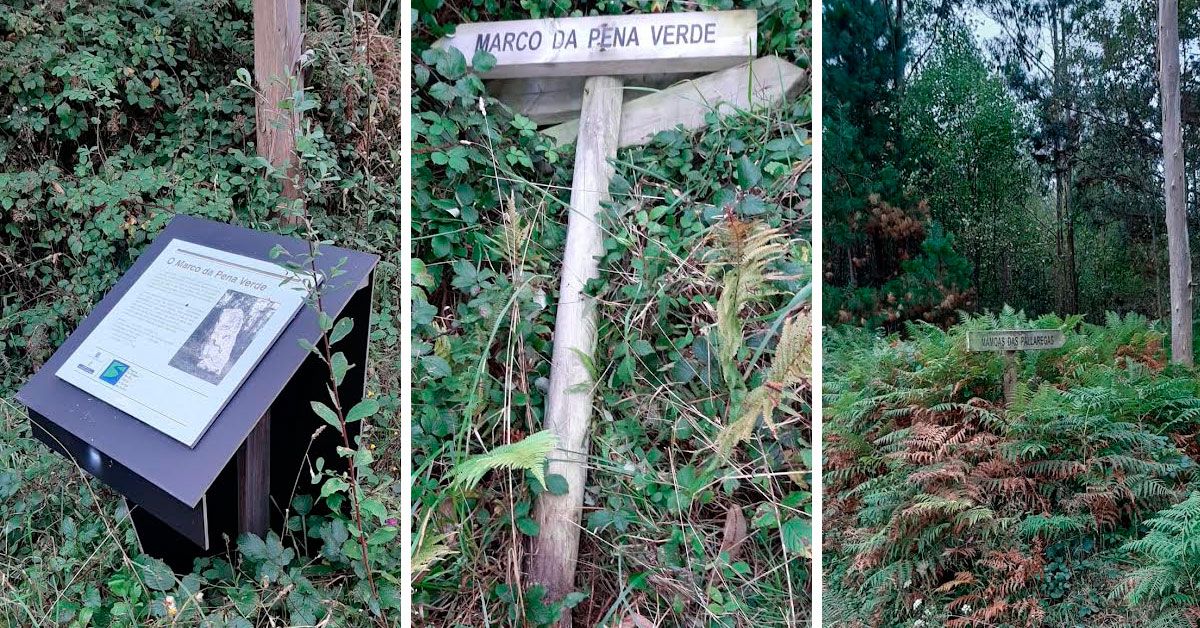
<point>277,47</point>
<point>569,402</point>
<point>254,479</point>
<point>278,38</point>
<point>1010,376</point>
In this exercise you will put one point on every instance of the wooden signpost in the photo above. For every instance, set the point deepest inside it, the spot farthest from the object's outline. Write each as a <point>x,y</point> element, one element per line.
<point>613,53</point>
<point>1010,341</point>
<point>185,497</point>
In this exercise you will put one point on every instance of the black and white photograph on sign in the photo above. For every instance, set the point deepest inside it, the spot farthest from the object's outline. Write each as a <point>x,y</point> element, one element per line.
<point>221,338</point>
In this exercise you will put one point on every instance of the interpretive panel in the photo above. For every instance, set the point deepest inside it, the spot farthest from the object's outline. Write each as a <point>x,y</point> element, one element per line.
<point>181,341</point>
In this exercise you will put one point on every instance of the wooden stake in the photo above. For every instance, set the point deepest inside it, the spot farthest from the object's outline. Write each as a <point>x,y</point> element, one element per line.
<point>569,402</point>
<point>277,41</point>
<point>254,479</point>
<point>1010,376</point>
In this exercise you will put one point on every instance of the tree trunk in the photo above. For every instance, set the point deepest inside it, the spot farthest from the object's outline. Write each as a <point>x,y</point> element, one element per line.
<point>1072,265</point>
<point>1060,278</point>
<point>1178,249</point>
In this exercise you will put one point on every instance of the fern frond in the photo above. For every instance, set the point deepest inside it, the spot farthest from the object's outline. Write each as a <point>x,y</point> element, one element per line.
<point>528,454</point>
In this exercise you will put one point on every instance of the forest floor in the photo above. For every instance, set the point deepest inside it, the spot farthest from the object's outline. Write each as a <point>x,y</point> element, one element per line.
<point>1076,505</point>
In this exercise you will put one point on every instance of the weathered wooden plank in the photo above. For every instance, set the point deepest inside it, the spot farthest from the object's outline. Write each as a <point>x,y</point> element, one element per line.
<point>254,480</point>
<point>612,45</point>
<point>764,82</point>
<point>277,41</point>
<point>554,99</point>
<point>569,400</point>
<point>1015,339</point>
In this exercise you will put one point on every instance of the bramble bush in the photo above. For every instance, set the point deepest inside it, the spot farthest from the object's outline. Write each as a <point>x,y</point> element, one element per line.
<point>118,115</point>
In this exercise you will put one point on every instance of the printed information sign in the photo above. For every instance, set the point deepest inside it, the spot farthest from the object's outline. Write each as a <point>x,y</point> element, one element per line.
<point>181,341</point>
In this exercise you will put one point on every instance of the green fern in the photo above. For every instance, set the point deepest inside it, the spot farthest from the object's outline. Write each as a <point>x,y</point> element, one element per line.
<point>928,473</point>
<point>528,454</point>
<point>1169,579</point>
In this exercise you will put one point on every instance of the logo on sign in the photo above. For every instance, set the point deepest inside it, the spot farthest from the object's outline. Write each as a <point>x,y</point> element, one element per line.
<point>116,369</point>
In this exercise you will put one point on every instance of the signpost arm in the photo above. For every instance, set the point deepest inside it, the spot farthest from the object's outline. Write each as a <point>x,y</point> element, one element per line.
<point>569,402</point>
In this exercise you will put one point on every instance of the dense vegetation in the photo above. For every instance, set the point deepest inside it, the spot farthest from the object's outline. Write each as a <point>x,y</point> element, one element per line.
<point>697,508</point>
<point>116,115</point>
<point>1074,506</point>
<point>994,152</point>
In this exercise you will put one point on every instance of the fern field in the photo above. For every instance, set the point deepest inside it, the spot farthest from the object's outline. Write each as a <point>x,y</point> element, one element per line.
<point>1075,505</point>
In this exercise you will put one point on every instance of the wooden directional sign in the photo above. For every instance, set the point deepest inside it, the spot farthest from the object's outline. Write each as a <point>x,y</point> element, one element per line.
<point>613,45</point>
<point>764,82</point>
<point>1015,339</point>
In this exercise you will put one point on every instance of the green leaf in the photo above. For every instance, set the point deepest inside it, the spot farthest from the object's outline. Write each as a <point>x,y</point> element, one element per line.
<point>451,63</point>
<point>382,535</point>
<point>361,410</point>
<point>374,508</point>
<point>155,574</point>
<point>557,484</point>
<point>334,485</point>
<point>797,535</point>
<point>343,327</point>
<point>528,526</point>
<point>748,173</point>
<point>483,61</point>
<point>327,414</point>
<point>339,366</point>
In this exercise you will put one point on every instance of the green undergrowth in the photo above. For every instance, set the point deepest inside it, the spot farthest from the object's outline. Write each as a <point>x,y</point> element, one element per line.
<point>696,511</point>
<point>1072,506</point>
<point>116,116</point>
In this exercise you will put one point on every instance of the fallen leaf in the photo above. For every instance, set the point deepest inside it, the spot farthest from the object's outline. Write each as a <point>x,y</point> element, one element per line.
<point>735,532</point>
<point>634,620</point>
